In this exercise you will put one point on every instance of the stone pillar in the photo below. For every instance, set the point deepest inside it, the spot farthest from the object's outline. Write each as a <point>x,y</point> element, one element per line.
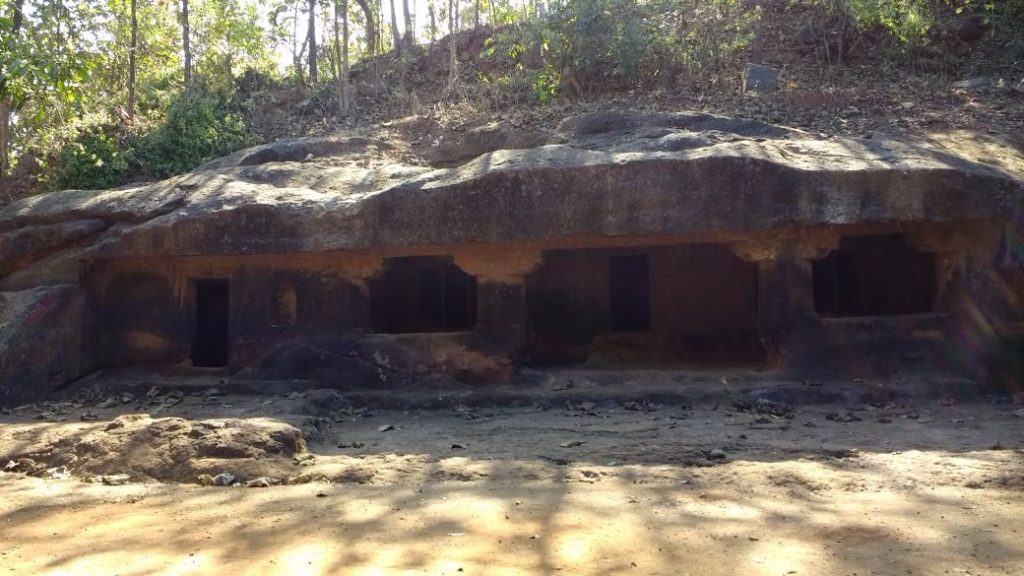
<point>786,288</point>
<point>501,294</point>
<point>358,268</point>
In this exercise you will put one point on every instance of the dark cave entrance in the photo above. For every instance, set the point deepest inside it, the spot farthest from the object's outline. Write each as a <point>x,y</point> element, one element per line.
<point>422,294</point>
<point>629,292</point>
<point>874,275</point>
<point>692,304</point>
<point>210,345</point>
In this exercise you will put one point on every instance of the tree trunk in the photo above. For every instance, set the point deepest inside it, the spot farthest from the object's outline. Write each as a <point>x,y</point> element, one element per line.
<point>344,103</point>
<point>186,48</point>
<point>335,50</point>
<point>298,53</point>
<point>5,99</point>
<point>453,42</point>
<point>476,15</point>
<point>311,35</point>
<point>433,21</point>
<point>131,59</point>
<point>395,34</point>
<point>371,26</point>
<point>410,32</point>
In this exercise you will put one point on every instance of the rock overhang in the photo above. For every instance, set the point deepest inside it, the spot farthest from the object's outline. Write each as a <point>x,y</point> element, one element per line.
<point>601,176</point>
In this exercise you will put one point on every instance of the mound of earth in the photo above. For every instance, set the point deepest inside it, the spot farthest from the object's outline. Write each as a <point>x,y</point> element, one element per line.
<point>139,447</point>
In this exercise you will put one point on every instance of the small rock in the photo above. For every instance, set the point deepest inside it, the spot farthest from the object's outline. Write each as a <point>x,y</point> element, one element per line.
<point>58,473</point>
<point>973,84</point>
<point>306,478</point>
<point>261,482</point>
<point>386,428</point>
<point>23,465</point>
<point>714,454</point>
<point>572,443</point>
<point>87,416</point>
<point>108,403</point>
<point>760,78</point>
<point>115,479</point>
<point>458,447</point>
<point>205,480</point>
<point>351,445</point>
<point>847,417</point>
<point>304,460</point>
<point>224,479</point>
<point>1019,413</point>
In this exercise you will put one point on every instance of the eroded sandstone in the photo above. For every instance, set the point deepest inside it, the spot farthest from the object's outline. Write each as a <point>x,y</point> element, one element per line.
<point>297,244</point>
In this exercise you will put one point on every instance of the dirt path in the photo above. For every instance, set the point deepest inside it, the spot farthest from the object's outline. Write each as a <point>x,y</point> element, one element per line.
<point>577,489</point>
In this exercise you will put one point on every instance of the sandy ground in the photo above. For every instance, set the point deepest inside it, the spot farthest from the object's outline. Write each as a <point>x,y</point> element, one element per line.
<point>600,488</point>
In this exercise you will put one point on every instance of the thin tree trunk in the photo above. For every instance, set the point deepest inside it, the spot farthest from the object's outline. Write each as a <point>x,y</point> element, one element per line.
<point>410,33</point>
<point>311,35</point>
<point>371,28</point>
<point>433,21</point>
<point>344,99</point>
<point>131,59</point>
<point>476,15</point>
<point>186,48</point>
<point>453,41</point>
<point>298,53</point>
<point>395,34</point>
<point>336,48</point>
<point>5,99</point>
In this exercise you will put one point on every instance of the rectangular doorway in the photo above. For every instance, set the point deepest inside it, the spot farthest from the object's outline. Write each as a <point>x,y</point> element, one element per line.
<point>629,285</point>
<point>212,306</point>
<point>422,294</point>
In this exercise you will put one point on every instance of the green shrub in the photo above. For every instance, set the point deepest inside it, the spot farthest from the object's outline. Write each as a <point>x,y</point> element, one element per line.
<point>200,125</point>
<point>98,156</point>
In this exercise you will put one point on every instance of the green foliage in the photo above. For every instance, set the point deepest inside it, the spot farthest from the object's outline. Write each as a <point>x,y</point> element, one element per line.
<point>584,44</point>
<point>599,37</point>
<point>99,156</point>
<point>201,124</point>
<point>228,39</point>
<point>911,23</point>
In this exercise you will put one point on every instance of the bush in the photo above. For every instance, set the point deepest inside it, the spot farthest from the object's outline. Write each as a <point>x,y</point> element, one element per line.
<point>200,125</point>
<point>97,156</point>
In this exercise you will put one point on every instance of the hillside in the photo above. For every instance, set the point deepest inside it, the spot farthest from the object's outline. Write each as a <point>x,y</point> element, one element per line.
<point>960,83</point>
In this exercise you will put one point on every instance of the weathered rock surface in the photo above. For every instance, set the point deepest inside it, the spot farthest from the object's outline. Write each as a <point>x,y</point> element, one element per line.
<point>600,174</point>
<point>760,78</point>
<point>23,245</point>
<point>170,449</point>
<point>608,174</point>
<point>42,341</point>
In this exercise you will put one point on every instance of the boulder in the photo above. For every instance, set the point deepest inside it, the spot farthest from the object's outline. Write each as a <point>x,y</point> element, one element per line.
<point>42,341</point>
<point>760,78</point>
<point>23,245</point>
